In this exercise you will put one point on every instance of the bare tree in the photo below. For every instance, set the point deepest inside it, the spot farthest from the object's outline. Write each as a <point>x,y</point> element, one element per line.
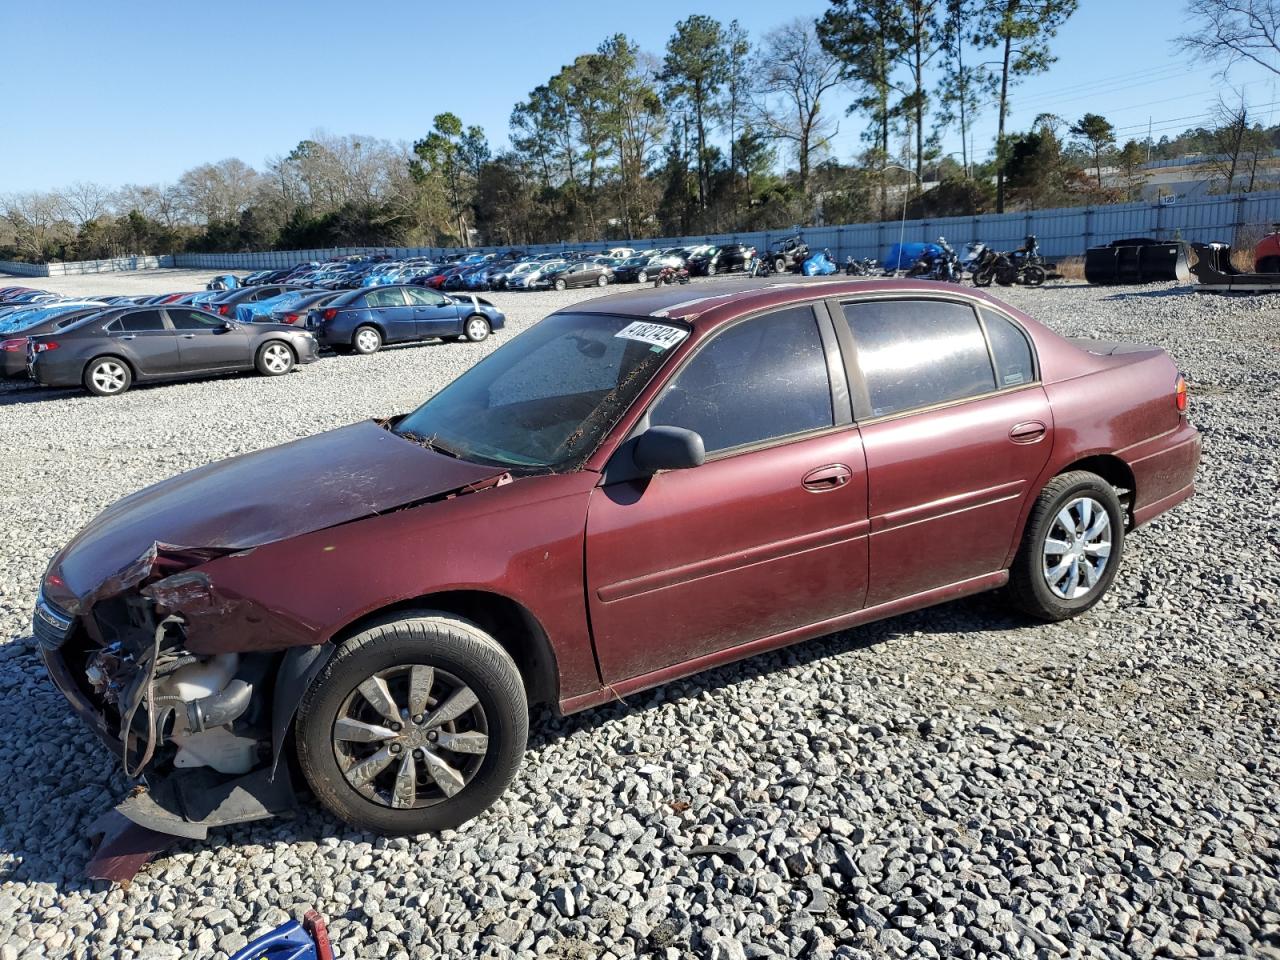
<point>1235,31</point>
<point>36,222</point>
<point>796,72</point>
<point>218,192</point>
<point>83,201</point>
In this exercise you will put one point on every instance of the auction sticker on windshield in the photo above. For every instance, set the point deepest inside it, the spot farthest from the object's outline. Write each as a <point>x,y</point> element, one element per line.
<point>658,334</point>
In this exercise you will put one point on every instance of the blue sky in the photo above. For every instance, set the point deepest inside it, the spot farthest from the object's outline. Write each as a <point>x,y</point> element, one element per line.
<point>137,92</point>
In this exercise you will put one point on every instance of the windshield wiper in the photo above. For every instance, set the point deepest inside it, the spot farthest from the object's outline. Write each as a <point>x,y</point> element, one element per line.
<point>431,443</point>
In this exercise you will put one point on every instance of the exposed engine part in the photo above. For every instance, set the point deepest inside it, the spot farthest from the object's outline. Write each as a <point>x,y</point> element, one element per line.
<point>219,709</point>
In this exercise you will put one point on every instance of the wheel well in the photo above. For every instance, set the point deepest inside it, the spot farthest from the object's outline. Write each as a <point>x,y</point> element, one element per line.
<point>368,323</point>
<point>1116,472</point>
<point>513,626</point>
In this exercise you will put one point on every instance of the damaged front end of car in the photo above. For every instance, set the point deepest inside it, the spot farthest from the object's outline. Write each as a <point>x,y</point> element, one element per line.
<point>192,681</point>
<point>195,729</point>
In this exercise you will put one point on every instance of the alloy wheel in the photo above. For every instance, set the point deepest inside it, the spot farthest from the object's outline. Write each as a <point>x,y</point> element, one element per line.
<point>368,340</point>
<point>477,328</point>
<point>410,737</point>
<point>1077,549</point>
<point>277,358</point>
<point>110,376</point>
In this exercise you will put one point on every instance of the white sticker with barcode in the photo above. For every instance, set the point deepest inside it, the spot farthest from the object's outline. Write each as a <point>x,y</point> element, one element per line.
<point>659,334</point>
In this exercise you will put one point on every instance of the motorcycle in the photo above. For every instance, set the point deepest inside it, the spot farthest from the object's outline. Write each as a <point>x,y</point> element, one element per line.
<point>669,275</point>
<point>943,266</point>
<point>865,267</point>
<point>1024,266</point>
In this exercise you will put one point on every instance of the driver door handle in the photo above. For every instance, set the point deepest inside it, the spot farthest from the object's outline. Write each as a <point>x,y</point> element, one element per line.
<point>188,336</point>
<point>831,477</point>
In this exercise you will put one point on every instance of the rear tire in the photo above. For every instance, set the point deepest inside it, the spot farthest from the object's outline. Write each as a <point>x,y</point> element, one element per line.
<point>107,376</point>
<point>779,265</point>
<point>366,340</point>
<point>1033,276</point>
<point>445,787</point>
<point>1053,537</point>
<point>274,359</point>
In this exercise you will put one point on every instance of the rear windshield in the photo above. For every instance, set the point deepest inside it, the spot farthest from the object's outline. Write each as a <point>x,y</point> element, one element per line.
<point>545,400</point>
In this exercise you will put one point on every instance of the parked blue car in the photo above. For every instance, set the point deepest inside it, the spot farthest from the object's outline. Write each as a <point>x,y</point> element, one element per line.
<point>363,320</point>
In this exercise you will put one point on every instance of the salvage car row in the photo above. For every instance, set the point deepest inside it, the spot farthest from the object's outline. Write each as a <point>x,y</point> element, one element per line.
<point>108,345</point>
<point>514,269</point>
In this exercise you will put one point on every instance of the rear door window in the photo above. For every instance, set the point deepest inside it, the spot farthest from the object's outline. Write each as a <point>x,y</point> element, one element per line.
<point>141,322</point>
<point>762,379</point>
<point>918,353</point>
<point>387,297</point>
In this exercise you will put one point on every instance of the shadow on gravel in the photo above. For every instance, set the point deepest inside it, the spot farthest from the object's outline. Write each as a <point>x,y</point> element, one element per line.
<point>1162,292</point>
<point>984,612</point>
<point>50,807</point>
<point>10,398</point>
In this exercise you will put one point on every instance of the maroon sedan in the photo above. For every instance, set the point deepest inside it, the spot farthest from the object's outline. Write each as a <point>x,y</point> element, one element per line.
<point>639,487</point>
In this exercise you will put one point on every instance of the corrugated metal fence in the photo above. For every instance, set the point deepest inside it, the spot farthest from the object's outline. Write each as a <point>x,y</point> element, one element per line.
<point>1062,232</point>
<point>62,269</point>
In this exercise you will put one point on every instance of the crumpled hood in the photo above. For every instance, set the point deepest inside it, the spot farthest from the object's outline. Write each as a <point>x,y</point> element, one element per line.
<point>244,502</point>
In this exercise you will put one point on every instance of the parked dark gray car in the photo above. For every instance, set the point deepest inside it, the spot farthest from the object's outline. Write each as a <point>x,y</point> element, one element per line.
<point>109,351</point>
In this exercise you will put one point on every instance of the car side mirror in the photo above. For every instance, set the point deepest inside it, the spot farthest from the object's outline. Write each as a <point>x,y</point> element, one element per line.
<point>668,448</point>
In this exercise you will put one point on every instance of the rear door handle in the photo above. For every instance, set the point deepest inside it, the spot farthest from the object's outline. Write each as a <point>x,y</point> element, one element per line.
<point>131,336</point>
<point>188,336</point>
<point>1028,432</point>
<point>831,477</point>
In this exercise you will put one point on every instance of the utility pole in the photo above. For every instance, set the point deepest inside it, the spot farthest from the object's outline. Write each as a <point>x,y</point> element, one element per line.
<point>1148,138</point>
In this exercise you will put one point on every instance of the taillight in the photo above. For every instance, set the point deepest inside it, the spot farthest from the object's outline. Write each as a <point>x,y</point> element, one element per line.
<point>290,318</point>
<point>329,314</point>
<point>13,346</point>
<point>1180,394</point>
<point>224,310</point>
<point>46,345</point>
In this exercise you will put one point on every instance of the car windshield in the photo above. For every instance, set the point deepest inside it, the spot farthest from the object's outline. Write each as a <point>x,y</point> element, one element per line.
<point>545,400</point>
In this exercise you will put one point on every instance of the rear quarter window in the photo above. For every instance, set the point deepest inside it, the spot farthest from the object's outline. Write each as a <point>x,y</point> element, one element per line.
<point>1011,349</point>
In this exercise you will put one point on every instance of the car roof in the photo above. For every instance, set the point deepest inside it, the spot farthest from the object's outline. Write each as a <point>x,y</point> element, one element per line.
<point>727,300</point>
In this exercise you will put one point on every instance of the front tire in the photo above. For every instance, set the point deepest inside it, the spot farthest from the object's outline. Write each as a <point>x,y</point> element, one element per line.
<point>603,281</point>
<point>107,376</point>
<point>560,284</point>
<point>983,278</point>
<point>642,276</point>
<point>274,359</point>
<point>366,340</point>
<point>1034,276</point>
<point>779,265</point>
<point>1071,547</point>
<point>416,724</point>
<point>477,328</point>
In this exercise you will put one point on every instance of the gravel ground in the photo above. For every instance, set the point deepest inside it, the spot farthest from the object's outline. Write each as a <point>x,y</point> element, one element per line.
<point>956,782</point>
